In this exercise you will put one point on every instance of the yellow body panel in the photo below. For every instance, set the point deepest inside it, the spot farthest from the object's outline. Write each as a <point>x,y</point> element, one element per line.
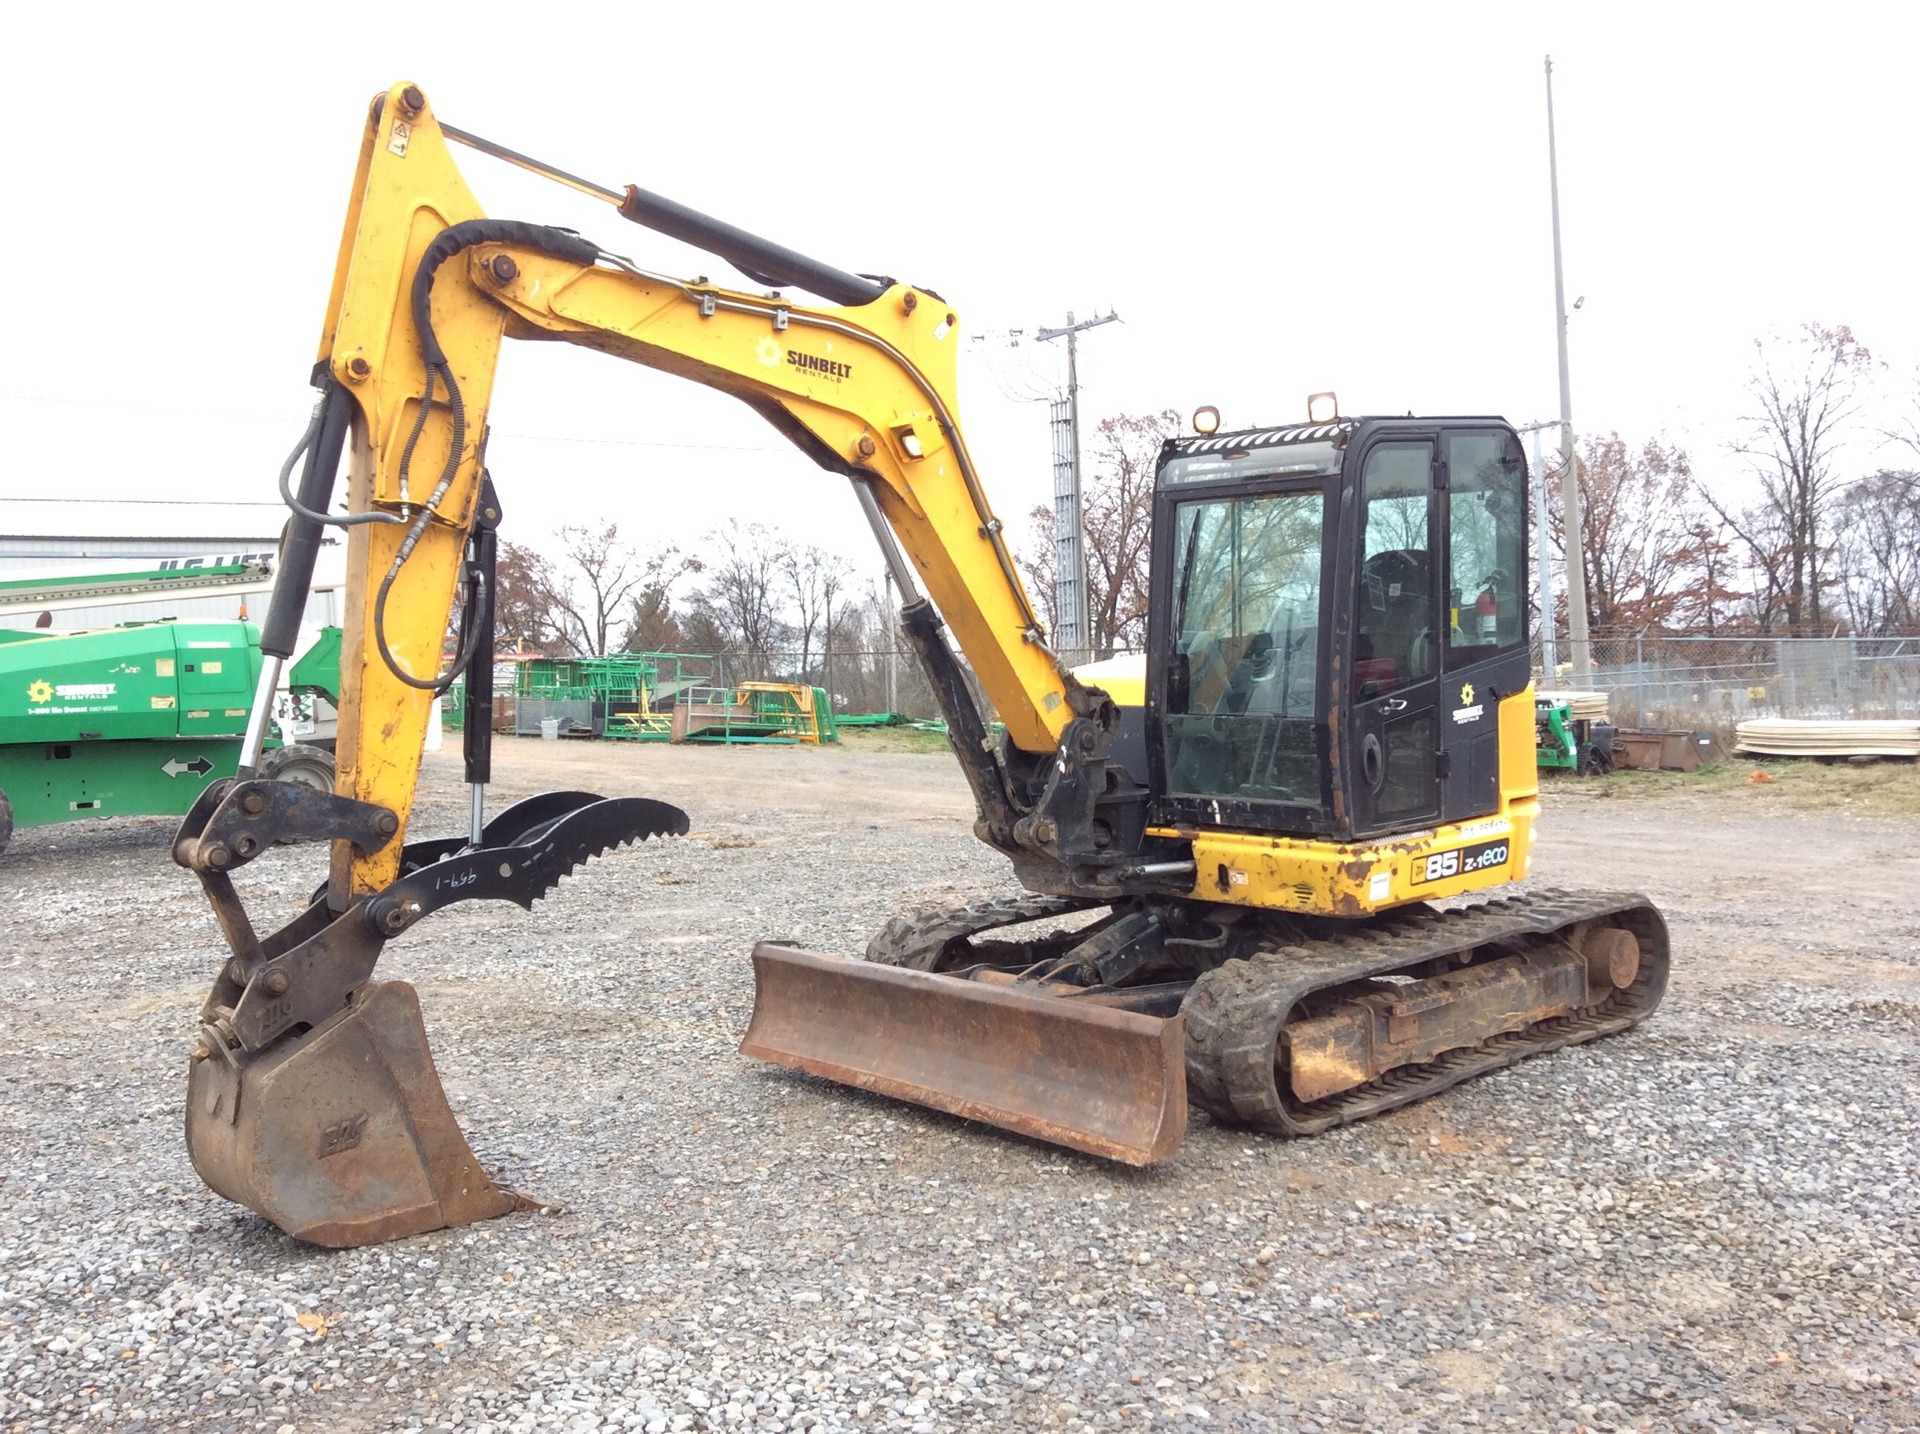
<point>1320,878</point>
<point>1123,678</point>
<point>1519,769</point>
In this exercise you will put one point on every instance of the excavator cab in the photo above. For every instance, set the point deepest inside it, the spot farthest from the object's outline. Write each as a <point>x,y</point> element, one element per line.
<point>1336,617</point>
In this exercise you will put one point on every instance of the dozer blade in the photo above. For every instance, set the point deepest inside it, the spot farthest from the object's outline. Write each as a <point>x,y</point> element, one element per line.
<point>341,1136</point>
<point>1109,1082</point>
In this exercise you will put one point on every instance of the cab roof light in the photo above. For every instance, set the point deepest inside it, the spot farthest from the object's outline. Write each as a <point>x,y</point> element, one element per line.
<point>1206,419</point>
<point>1322,408</point>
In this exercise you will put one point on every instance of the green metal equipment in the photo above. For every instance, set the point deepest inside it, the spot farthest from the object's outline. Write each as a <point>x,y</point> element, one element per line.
<point>631,695</point>
<point>1565,743</point>
<point>674,697</point>
<point>767,712</point>
<point>239,580</point>
<point>132,720</point>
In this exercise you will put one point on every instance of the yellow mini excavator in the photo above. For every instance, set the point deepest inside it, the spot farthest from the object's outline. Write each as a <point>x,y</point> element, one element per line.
<point>1229,859</point>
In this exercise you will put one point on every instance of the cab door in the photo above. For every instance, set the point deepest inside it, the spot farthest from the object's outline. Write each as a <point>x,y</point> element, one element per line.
<point>1482,509</point>
<point>1393,755</point>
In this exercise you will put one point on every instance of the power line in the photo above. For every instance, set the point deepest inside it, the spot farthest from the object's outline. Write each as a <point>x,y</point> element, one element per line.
<point>228,416</point>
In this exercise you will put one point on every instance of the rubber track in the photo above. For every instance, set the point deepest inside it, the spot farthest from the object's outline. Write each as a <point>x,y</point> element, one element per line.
<point>918,939</point>
<point>1234,1013</point>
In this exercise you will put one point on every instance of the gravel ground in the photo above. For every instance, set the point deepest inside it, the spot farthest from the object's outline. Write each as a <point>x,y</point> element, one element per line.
<point>1709,1223</point>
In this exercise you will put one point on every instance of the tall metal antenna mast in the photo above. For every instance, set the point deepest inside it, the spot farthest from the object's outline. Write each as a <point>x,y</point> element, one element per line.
<point>1569,463</point>
<point>1073,635</point>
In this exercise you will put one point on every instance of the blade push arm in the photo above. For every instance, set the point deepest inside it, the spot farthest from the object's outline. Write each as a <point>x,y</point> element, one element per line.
<point>425,290</point>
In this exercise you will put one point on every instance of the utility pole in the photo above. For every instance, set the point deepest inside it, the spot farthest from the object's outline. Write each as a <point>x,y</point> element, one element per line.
<point>1072,637</point>
<point>1543,568</point>
<point>1569,463</point>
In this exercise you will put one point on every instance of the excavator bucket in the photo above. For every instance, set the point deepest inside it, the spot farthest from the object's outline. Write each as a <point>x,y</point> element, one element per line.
<point>341,1136</point>
<point>1087,1076</point>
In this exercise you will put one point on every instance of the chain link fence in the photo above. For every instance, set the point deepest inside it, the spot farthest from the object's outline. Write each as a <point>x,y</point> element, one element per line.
<point>1713,683</point>
<point>856,681</point>
<point>1697,683</point>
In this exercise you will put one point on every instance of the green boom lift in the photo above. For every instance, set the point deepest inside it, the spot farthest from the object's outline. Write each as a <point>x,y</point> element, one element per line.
<point>132,720</point>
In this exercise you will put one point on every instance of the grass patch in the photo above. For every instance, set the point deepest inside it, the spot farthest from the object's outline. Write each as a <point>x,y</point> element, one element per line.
<point>1888,787</point>
<point>892,739</point>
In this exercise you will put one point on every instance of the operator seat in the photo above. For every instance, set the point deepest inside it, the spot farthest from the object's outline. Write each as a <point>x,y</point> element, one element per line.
<point>1278,674</point>
<point>1394,643</point>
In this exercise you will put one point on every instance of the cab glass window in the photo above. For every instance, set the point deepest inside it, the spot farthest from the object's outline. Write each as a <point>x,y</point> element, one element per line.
<point>1242,695</point>
<point>1487,545</point>
<point>1393,643</point>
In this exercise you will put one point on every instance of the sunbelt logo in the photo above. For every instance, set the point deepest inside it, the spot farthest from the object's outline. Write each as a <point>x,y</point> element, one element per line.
<point>44,691</point>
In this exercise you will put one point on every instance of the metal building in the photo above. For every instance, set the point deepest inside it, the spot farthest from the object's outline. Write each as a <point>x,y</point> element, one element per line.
<point>57,538</point>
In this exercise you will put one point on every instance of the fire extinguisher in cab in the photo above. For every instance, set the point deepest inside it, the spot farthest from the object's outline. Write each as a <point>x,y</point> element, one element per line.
<point>1487,607</point>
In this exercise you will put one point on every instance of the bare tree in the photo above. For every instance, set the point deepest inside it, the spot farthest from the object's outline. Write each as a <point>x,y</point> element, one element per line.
<point>1806,391</point>
<point>597,576</point>
<point>572,604</point>
<point>523,602</point>
<point>741,596</point>
<point>815,579</point>
<point>1708,600</point>
<point>1879,553</point>
<point>1636,520</point>
<point>1905,429</point>
<point>1116,504</point>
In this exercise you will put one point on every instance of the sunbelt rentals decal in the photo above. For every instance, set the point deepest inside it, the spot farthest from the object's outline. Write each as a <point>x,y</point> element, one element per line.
<point>52,698</point>
<point>774,356</point>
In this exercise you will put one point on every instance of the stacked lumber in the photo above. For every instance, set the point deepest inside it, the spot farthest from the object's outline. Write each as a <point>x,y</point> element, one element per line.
<point>1587,706</point>
<point>1793,737</point>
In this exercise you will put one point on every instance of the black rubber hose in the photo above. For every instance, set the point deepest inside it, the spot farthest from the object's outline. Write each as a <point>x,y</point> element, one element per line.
<point>562,244</point>
<point>344,520</point>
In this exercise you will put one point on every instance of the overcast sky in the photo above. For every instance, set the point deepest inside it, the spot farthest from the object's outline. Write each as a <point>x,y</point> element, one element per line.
<point>1276,199</point>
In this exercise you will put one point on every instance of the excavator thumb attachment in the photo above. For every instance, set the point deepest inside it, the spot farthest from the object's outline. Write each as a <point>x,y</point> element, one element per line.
<point>1073,1072</point>
<point>344,1136</point>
